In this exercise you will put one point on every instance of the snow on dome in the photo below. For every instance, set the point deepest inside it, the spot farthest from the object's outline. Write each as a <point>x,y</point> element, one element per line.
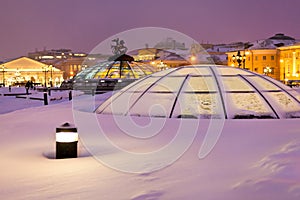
<point>205,91</point>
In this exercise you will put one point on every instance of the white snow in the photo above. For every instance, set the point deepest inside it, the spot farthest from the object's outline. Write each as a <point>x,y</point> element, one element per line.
<point>254,159</point>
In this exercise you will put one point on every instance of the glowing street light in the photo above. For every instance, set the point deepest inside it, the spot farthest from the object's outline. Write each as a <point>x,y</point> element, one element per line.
<point>51,69</point>
<point>267,70</point>
<point>240,59</point>
<point>45,71</point>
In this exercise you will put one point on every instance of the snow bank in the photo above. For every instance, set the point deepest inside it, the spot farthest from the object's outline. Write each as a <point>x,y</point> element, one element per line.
<point>254,159</point>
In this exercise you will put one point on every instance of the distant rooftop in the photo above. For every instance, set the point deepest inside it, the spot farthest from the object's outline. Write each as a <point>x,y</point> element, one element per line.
<point>281,36</point>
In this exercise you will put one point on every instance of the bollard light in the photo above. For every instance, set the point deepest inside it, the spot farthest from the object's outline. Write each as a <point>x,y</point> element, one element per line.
<point>66,141</point>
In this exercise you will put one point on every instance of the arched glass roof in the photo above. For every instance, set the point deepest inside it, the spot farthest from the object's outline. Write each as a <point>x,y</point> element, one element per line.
<point>205,92</point>
<point>116,69</point>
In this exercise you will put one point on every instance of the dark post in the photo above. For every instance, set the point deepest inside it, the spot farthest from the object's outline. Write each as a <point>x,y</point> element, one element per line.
<point>45,98</point>
<point>49,92</point>
<point>27,88</point>
<point>66,141</point>
<point>70,95</point>
<point>9,88</point>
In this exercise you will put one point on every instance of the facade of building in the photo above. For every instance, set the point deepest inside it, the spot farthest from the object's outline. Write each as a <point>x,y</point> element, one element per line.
<point>23,69</point>
<point>159,58</point>
<point>54,54</point>
<point>275,57</point>
<point>290,62</point>
<point>64,59</point>
<point>262,61</point>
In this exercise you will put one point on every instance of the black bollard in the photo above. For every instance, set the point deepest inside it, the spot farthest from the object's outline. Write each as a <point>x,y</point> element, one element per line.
<point>70,95</point>
<point>66,141</point>
<point>9,88</point>
<point>45,99</point>
<point>49,92</point>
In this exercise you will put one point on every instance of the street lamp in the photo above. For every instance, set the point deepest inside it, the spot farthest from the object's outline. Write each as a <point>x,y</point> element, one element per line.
<point>3,78</point>
<point>45,71</point>
<point>267,70</point>
<point>51,69</point>
<point>240,59</point>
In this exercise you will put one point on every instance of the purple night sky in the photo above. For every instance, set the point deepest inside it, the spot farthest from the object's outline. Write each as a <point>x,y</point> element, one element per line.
<point>81,25</point>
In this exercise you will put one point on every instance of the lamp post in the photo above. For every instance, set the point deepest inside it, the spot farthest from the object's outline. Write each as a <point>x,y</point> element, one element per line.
<point>3,77</point>
<point>51,75</point>
<point>267,70</point>
<point>45,71</point>
<point>239,59</point>
<point>284,72</point>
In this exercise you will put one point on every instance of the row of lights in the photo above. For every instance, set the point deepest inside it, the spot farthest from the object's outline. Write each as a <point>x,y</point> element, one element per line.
<point>44,68</point>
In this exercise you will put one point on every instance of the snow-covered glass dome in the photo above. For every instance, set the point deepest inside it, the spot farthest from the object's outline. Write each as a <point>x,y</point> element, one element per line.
<point>208,91</point>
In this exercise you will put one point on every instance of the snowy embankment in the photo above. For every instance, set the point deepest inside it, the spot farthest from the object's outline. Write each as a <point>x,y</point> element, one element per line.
<point>254,159</point>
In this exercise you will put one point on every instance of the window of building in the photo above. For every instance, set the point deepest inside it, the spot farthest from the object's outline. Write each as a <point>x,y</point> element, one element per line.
<point>264,57</point>
<point>272,57</point>
<point>256,57</point>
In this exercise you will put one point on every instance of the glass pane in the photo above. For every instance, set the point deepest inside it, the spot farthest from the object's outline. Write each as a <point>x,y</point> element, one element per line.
<point>283,102</point>
<point>143,85</point>
<point>247,105</point>
<point>231,71</point>
<point>197,106</point>
<point>262,84</point>
<point>200,84</point>
<point>168,84</point>
<point>234,84</point>
<point>163,73</point>
<point>192,71</point>
<point>154,105</point>
<point>121,105</point>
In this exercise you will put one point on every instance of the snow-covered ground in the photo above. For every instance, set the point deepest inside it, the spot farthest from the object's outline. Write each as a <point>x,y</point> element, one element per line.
<point>254,159</point>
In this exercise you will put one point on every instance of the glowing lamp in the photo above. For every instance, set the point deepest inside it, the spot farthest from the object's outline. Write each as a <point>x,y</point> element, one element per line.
<point>66,141</point>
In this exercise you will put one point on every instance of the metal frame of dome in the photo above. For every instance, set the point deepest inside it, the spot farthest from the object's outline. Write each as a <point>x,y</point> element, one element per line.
<point>206,91</point>
<point>111,75</point>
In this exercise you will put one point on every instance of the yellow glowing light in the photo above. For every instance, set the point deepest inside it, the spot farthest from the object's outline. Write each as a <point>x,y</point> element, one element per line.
<point>152,63</point>
<point>193,58</point>
<point>281,60</point>
<point>66,137</point>
<point>71,73</point>
<point>247,52</point>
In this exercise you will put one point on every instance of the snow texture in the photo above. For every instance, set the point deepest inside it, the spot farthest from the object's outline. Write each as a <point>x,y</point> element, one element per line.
<point>254,159</point>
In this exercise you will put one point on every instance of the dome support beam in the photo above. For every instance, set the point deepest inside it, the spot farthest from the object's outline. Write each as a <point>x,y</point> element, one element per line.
<point>177,96</point>
<point>266,100</point>
<point>220,91</point>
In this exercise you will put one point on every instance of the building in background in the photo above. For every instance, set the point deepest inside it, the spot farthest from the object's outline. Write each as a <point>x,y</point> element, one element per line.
<point>159,58</point>
<point>64,59</point>
<point>23,69</point>
<point>289,62</point>
<point>261,56</point>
